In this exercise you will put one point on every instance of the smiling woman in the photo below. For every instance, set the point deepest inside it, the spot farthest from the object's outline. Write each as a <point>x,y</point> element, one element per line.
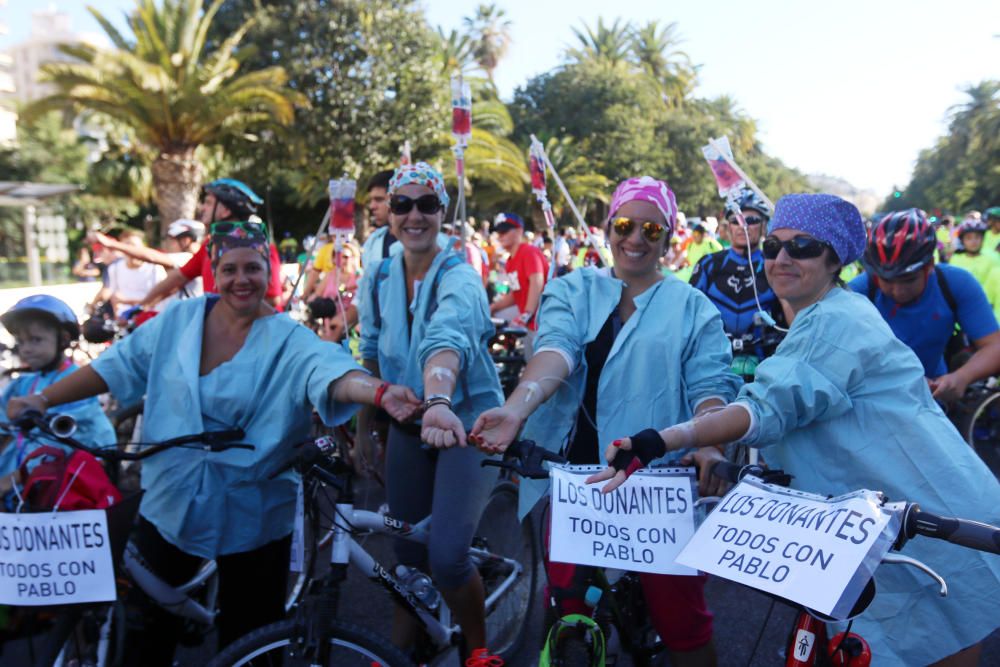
<point>842,405</point>
<point>216,363</point>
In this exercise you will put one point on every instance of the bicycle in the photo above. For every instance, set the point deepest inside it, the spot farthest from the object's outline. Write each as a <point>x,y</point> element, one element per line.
<point>977,417</point>
<point>93,634</point>
<point>808,643</point>
<point>507,351</point>
<point>503,551</point>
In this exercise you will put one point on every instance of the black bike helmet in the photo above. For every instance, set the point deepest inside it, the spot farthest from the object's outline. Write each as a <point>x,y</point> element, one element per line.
<point>900,243</point>
<point>236,196</point>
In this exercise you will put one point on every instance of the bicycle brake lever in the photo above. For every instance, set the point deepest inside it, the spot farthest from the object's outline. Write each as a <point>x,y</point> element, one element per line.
<point>900,559</point>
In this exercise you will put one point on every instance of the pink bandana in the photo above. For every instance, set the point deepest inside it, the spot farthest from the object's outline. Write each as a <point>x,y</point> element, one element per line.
<point>646,188</point>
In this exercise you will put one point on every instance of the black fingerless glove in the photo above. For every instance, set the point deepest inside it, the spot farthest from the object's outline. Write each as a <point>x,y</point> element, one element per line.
<point>647,445</point>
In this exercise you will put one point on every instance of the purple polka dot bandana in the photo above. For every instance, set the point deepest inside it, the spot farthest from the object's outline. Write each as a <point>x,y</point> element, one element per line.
<point>825,217</point>
<point>420,173</point>
<point>646,188</point>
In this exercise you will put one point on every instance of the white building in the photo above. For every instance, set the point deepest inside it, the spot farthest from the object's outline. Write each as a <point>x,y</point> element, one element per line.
<point>8,118</point>
<point>49,28</point>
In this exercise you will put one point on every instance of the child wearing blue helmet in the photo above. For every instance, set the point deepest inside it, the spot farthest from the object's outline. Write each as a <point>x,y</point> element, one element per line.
<point>43,328</point>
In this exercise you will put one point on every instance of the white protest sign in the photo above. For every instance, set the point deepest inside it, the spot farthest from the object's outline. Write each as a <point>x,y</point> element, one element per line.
<point>640,526</point>
<point>55,558</point>
<point>799,546</point>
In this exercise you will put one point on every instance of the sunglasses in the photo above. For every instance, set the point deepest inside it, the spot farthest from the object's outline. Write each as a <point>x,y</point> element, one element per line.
<point>426,204</point>
<point>652,231</point>
<point>801,247</point>
<point>254,228</point>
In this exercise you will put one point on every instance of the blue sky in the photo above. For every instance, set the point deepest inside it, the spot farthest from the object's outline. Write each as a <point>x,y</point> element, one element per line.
<point>853,89</point>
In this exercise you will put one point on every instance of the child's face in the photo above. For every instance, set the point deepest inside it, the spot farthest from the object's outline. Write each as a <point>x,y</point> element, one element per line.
<point>37,344</point>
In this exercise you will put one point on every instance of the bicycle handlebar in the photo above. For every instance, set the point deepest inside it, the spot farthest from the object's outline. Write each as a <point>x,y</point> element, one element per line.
<point>526,458</point>
<point>62,426</point>
<point>964,532</point>
<point>734,472</point>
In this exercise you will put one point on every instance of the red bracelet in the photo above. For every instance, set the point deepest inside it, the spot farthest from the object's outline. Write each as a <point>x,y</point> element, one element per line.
<point>379,393</point>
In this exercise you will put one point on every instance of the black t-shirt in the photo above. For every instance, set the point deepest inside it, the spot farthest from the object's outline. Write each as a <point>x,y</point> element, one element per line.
<point>584,448</point>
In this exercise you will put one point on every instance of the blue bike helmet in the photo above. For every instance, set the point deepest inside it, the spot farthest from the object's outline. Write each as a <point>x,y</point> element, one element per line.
<point>747,198</point>
<point>236,196</point>
<point>45,307</point>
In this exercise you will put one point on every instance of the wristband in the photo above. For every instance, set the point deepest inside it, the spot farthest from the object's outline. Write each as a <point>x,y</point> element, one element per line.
<point>379,393</point>
<point>436,400</point>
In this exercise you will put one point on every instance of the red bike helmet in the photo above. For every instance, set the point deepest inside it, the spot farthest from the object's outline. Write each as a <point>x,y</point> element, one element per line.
<point>899,244</point>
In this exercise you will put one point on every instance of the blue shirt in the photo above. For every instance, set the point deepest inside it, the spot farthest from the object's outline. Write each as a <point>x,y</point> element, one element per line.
<point>670,356</point>
<point>843,405</point>
<point>215,503</point>
<point>92,426</point>
<point>448,312</point>
<point>926,324</point>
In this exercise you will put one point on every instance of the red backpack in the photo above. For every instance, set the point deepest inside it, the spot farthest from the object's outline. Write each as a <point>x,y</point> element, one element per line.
<point>78,478</point>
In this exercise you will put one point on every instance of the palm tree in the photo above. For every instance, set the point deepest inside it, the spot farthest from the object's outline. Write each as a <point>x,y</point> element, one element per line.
<point>173,94</point>
<point>655,50</point>
<point>608,44</point>
<point>457,51</point>
<point>490,31</point>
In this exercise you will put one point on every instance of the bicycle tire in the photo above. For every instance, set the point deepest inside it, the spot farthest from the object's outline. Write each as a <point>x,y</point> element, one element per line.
<point>988,448</point>
<point>351,646</point>
<point>507,621</point>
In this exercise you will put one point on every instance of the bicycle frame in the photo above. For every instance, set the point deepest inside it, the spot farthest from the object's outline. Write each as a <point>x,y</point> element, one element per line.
<point>346,551</point>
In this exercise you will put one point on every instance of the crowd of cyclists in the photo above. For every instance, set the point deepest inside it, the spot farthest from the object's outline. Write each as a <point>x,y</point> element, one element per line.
<point>632,331</point>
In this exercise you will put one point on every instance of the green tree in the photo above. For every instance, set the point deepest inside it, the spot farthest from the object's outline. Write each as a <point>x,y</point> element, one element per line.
<point>457,52</point>
<point>655,50</point>
<point>962,170</point>
<point>489,30</point>
<point>175,94</point>
<point>372,74</point>
<point>608,44</point>
<point>619,126</point>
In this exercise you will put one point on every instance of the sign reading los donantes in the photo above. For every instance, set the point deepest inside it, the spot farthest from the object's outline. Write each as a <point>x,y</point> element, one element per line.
<point>55,558</point>
<point>806,548</point>
<point>640,526</point>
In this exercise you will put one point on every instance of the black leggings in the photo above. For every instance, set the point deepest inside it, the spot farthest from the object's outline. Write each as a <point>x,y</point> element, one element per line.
<point>252,589</point>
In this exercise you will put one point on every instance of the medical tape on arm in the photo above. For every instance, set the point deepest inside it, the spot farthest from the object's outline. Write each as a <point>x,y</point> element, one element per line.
<point>442,373</point>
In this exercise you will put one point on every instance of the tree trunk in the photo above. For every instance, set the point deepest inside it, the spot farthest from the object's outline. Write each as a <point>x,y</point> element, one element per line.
<point>176,180</point>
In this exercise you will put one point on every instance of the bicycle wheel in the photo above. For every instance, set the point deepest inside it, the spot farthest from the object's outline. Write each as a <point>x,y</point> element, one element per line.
<point>501,533</point>
<point>350,646</point>
<point>983,430</point>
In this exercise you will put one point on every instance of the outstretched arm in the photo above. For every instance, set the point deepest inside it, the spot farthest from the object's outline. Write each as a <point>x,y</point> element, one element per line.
<point>76,386</point>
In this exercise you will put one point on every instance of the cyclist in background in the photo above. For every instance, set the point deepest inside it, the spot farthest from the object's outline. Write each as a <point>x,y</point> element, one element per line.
<point>992,237</point>
<point>972,256</point>
<point>923,303</point>
<point>606,341</point>
<point>843,405</point>
<point>425,324</point>
<point>725,277</point>
<point>183,241</point>
<point>44,328</point>
<point>229,200</point>
<point>213,363</point>
<point>527,270</point>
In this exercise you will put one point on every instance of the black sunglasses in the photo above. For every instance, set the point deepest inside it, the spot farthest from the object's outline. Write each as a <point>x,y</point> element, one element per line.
<point>426,204</point>
<point>801,247</point>
<point>750,220</point>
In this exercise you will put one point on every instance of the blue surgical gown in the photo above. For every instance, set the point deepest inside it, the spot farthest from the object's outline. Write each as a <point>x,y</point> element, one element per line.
<point>92,425</point>
<point>843,405</point>
<point>455,318</point>
<point>216,503</point>
<point>671,355</point>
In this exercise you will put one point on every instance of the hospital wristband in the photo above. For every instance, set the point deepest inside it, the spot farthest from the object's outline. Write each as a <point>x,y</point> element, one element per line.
<point>379,393</point>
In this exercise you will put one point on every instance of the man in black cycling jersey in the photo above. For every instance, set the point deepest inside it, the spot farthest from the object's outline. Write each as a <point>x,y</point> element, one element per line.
<point>726,278</point>
<point>923,303</point>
